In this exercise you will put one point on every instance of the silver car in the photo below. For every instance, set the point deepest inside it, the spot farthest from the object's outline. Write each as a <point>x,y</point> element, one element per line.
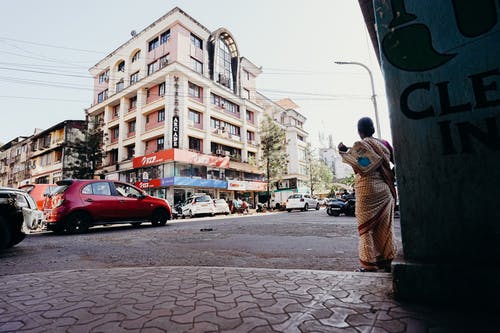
<point>221,206</point>
<point>301,201</point>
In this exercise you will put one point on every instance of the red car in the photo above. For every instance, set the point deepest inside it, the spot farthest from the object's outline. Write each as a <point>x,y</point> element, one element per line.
<point>76,205</point>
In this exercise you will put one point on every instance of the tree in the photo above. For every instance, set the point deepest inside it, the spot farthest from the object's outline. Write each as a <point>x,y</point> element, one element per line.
<point>85,152</point>
<point>320,176</point>
<point>274,156</point>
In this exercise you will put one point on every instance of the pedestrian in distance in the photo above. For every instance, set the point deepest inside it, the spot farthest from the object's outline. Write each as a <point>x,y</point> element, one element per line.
<point>370,159</point>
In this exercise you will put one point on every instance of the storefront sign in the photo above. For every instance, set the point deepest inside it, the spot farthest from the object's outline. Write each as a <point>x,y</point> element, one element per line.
<point>256,186</point>
<point>201,159</point>
<point>186,181</point>
<point>175,132</point>
<point>149,184</point>
<point>153,159</point>
<point>236,185</point>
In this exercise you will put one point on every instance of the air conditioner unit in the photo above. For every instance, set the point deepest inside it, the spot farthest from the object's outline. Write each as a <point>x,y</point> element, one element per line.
<point>227,153</point>
<point>218,152</point>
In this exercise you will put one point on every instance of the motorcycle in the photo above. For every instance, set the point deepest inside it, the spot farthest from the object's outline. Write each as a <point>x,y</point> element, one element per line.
<point>177,211</point>
<point>338,206</point>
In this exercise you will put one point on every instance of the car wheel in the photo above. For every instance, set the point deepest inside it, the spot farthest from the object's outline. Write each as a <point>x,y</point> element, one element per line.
<point>190,214</point>
<point>306,207</point>
<point>160,217</point>
<point>317,206</point>
<point>78,223</point>
<point>4,234</point>
<point>136,224</point>
<point>55,228</point>
<point>289,210</point>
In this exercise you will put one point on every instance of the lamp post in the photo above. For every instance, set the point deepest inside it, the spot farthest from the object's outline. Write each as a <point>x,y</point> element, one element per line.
<point>374,100</point>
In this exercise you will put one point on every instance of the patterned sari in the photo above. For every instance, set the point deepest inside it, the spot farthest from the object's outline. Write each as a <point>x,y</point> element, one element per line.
<point>375,201</point>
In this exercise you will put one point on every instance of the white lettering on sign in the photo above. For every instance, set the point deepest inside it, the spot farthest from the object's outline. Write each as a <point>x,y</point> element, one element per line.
<point>148,160</point>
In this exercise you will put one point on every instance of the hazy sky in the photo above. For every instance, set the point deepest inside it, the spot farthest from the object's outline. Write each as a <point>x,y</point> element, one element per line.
<point>47,47</point>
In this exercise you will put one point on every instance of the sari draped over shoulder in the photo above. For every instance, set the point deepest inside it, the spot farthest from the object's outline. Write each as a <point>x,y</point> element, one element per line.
<point>375,202</point>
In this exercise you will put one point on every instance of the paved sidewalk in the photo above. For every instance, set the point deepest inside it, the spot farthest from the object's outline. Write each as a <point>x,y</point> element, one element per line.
<point>208,299</point>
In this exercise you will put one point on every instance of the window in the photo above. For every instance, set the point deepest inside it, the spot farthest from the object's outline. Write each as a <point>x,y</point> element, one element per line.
<point>131,126</point>
<point>134,77</point>
<point>195,144</point>
<point>102,96</point>
<point>161,89</point>
<point>119,86</point>
<point>196,41</point>
<point>136,56</point>
<point>247,75</point>
<point>250,136</point>
<point>113,156</point>
<point>160,142</point>
<point>130,152</point>
<point>194,116</point>
<point>250,116</point>
<point>121,66</point>
<point>132,102</point>
<point>153,44</point>
<point>196,65</point>
<point>225,104</point>
<point>161,115</point>
<point>163,61</point>
<point>300,137</point>
<point>104,76</point>
<point>194,91</point>
<point>164,37</point>
<point>223,64</point>
<point>116,111</point>
<point>97,188</point>
<point>152,67</point>
<point>147,119</point>
<point>115,132</point>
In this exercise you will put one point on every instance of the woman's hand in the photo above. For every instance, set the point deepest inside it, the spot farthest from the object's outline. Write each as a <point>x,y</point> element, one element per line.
<point>342,147</point>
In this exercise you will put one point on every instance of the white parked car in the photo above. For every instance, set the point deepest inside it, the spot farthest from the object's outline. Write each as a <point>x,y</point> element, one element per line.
<point>32,216</point>
<point>301,201</point>
<point>221,206</point>
<point>198,205</point>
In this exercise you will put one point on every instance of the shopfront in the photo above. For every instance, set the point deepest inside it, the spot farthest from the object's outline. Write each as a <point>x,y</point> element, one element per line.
<point>176,174</point>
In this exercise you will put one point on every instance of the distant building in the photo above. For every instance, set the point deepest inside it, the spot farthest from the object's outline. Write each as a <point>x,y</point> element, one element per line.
<point>40,158</point>
<point>333,160</point>
<point>49,155</point>
<point>14,164</point>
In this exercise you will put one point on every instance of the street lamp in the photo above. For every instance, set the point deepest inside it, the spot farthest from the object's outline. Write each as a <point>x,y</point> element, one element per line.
<point>374,100</point>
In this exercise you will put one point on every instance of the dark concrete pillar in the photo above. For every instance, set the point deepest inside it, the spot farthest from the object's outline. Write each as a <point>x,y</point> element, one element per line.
<point>441,65</point>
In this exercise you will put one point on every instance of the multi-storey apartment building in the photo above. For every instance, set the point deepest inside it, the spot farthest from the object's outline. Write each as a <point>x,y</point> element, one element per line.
<point>14,162</point>
<point>179,111</point>
<point>285,113</point>
<point>42,158</point>
<point>49,153</point>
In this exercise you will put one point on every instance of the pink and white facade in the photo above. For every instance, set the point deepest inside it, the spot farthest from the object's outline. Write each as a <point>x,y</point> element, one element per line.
<point>178,86</point>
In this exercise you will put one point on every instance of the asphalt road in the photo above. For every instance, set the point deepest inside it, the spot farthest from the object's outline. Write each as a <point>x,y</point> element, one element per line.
<point>298,240</point>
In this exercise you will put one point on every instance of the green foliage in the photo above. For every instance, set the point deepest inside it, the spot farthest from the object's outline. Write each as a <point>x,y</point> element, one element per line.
<point>85,153</point>
<point>274,157</point>
<point>349,181</point>
<point>320,175</point>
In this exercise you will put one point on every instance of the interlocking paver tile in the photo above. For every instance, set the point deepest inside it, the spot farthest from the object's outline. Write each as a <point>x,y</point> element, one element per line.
<point>213,299</point>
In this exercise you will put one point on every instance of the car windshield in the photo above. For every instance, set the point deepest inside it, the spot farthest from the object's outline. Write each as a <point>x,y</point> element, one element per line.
<point>202,199</point>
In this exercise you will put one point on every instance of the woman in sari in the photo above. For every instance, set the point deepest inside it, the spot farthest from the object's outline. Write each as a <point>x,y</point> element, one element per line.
<point>370,159</point>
